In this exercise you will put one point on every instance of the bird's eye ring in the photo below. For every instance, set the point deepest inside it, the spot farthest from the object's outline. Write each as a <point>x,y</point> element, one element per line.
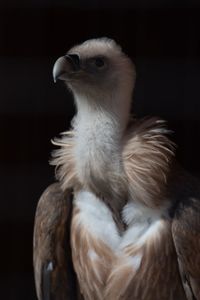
<point>99,62</point>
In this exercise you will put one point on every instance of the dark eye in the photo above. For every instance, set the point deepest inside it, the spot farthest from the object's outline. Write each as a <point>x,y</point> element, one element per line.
<point>99,62</point>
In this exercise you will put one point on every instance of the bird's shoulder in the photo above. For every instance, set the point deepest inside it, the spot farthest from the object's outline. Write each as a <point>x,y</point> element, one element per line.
<point>52,207</point>
<point>186,237</point>
<point>53,269</point>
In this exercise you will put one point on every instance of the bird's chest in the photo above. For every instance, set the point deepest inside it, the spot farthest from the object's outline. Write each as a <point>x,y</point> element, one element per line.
<point>140,264</point>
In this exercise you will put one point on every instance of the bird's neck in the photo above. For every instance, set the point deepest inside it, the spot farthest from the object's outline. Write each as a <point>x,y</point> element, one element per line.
<point>98,143</point>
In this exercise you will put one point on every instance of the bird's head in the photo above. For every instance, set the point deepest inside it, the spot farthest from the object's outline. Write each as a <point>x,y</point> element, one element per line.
<point>99,74</point>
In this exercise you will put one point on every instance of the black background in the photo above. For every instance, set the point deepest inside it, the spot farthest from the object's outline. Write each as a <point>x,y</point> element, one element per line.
<point>163,39</point>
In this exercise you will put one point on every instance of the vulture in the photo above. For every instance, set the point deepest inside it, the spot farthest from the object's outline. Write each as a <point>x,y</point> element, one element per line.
<point>122,220</point>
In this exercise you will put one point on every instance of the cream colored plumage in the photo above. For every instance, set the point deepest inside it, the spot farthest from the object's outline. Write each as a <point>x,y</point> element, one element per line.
<point>125,196</point>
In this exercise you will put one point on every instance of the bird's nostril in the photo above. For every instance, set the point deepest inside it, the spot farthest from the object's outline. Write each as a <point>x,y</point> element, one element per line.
<point>74,59</point>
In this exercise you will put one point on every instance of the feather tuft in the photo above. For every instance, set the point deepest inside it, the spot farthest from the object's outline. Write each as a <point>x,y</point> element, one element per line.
<point>147,155</point>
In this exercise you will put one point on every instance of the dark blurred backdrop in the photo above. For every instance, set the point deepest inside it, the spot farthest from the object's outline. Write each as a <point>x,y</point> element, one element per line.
<point>162,37</point>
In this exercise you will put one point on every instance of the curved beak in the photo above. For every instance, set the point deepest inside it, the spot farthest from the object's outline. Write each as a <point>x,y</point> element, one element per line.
<point>65,65</point>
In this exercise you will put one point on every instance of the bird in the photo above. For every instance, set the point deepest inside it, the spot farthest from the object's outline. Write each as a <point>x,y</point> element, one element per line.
<point>122,220</point>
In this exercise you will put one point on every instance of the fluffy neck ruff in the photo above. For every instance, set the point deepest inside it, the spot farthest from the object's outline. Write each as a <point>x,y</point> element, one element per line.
<point>137,161</point>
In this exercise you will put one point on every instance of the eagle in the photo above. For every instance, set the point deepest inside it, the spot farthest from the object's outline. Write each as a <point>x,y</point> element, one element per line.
<point>122,220</point>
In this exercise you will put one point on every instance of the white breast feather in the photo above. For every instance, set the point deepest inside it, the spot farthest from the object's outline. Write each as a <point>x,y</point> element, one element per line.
<point>143,223</point>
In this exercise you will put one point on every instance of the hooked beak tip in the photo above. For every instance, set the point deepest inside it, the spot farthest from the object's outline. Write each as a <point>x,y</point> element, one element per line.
<point>59,69</point>
<point>64,65</point>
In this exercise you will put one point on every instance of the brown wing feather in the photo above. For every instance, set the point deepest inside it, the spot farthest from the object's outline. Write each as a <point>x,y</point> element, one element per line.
<point>54,274</point>
<point>186,235</point>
